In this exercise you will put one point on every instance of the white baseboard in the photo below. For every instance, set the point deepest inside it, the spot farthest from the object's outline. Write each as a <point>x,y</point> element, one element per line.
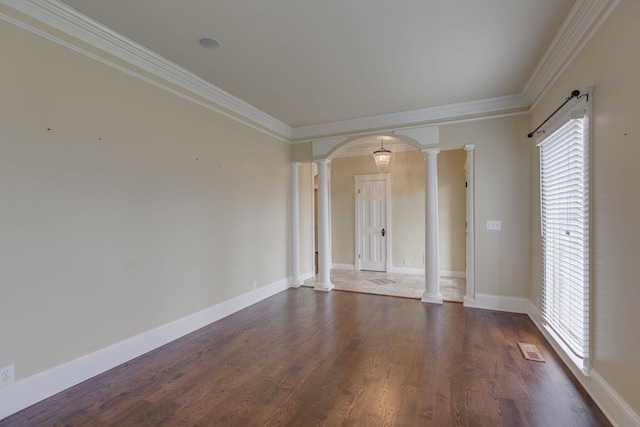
<point>26,392</point>
<point>454,274</point>
<point>306,276</point>
<point>613,406</point>
<point>302,278</point>
<point>420,272</point>
<point>499,303</point>
<point>405,270</point>
<point>344,267</point>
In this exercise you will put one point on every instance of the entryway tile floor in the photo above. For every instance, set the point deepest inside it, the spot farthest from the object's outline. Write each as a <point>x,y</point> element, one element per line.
<point>398,285</point>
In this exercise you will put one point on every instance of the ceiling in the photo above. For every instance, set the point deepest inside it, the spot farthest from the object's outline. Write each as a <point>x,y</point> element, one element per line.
<point>316,62</point>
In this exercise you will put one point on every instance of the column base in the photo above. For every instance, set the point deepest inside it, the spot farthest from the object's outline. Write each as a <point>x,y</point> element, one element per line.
<point>296,284</point>
<point>469,300</point>
<point>324,287</point>
<point>433,299</point>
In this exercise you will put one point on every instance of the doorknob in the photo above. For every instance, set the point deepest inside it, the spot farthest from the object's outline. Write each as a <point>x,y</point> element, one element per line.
<point>383,232</point>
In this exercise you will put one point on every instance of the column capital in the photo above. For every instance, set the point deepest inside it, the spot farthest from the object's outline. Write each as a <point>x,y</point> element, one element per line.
<point>295,164</point>
<point>322,161</point>
<point>470,147</point>
<point>431,152</point>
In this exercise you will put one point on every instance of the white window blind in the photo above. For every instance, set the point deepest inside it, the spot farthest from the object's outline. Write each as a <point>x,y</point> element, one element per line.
<point>564,174</point>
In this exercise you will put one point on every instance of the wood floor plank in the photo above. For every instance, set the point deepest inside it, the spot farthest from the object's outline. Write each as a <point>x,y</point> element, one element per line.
<point>305,358</point>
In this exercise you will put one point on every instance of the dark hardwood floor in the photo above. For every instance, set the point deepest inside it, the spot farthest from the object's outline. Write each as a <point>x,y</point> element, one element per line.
<point>306,358</point>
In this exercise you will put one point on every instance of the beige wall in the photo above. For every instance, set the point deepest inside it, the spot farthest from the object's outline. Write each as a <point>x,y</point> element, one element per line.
<point>452,210</point>
<point>501,193</point>
<point>611,64</point>
<point>137,207</point>
<point>305,190</point>
<point>407,207</point>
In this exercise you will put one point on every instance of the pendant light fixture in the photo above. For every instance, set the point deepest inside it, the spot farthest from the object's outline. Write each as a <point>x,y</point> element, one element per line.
<point>382,157</point>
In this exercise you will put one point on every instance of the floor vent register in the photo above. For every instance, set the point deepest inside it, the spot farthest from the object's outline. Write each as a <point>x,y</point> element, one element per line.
<point>530,352</point>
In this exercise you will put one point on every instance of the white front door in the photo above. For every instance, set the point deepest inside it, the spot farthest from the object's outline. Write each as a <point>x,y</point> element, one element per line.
<point>371,222</point>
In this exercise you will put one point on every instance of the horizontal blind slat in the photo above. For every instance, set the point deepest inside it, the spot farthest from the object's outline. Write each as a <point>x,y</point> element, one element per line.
<point>564,214</point>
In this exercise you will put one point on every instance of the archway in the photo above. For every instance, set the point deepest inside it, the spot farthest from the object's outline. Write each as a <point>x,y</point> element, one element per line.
<point>335,149</point>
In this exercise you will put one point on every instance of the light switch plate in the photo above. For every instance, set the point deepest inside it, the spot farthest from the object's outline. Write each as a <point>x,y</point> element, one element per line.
<point>494,225</point>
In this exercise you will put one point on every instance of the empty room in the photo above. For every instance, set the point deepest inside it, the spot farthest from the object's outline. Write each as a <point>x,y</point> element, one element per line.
<point>298,213</point>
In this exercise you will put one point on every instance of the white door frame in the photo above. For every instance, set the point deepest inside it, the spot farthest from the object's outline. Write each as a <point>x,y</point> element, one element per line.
<point>470,194</point>
<point>386,177</point>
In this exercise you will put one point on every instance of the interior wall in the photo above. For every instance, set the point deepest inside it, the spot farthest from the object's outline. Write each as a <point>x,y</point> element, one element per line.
<point>452,210</point>
<point>305,191</point>
<point>135,209</point>
<point>501,193</point>
<point>610,63</point>
<point>407,206</point>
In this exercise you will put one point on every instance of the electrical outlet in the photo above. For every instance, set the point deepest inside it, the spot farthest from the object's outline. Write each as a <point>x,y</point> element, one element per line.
<point>7,375</point>
<point>406,262</point>
<point>254,285</point>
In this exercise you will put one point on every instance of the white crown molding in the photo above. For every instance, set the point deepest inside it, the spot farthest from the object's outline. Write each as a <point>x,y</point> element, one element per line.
<point>574,33</point>
<point>576,30</point>
<point>405,118</point>
<point>583,20</point>
<point>66,19</point>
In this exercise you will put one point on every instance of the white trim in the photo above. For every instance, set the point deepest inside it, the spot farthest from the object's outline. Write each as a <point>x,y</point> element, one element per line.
<point>404,118</point>
<point>405,270</point>
<point>576,31</point>
<point>610,402</point>
<point>343,267</point>
<point>453,274</point>
<point>420,272</point>
<point>395,147</point>
<point>499,303</point>
<point>66,19</point>
<point>401,130</point>
<point>33,389</point>
<point>470,220</point>
<point>306,276</point>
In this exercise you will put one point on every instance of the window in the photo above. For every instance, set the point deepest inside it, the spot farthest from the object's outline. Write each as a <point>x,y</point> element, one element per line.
<point>564,188</point>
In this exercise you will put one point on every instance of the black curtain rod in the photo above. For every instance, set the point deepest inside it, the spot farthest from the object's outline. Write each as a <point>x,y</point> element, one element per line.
<point>574,94</point>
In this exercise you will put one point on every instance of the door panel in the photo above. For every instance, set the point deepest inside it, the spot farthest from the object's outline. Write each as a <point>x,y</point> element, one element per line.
<point>372,215</point>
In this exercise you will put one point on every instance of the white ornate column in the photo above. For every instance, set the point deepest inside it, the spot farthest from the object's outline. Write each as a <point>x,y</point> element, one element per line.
<point>470,297</point>
<point>295,228</point>
<point>324,241</point>
<point>431,250</point>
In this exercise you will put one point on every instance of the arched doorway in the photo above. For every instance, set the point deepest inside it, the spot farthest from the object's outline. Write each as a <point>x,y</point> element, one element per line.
<point>348,148</point>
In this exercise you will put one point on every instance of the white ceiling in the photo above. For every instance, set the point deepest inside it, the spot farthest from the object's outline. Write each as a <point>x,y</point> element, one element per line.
<point>315,62</point>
